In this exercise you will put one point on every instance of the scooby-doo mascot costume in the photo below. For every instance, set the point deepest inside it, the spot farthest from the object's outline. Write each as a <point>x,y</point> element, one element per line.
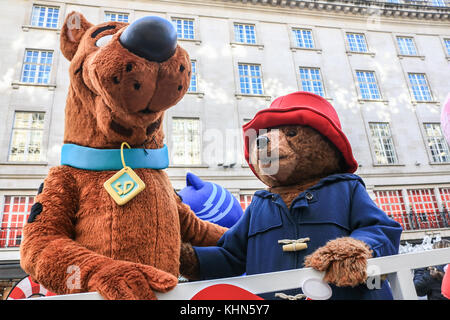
<point>315,212</point>
<point>108,219</point>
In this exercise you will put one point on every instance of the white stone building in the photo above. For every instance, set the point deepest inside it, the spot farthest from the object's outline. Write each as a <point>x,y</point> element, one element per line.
<point>383,65</point>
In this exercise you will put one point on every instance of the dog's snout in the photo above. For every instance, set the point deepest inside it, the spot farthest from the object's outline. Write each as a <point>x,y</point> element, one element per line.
<point>152,38</point>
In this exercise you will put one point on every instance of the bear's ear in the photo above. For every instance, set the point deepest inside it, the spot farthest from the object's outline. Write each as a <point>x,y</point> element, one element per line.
<point>72,31</point>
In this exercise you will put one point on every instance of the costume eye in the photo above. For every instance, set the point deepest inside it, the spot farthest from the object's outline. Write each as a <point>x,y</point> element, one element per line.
<point>103,40</point>
<point>291,133</point>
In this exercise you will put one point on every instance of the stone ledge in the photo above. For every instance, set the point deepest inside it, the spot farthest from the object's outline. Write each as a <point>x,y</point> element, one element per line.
<point>406,9</point>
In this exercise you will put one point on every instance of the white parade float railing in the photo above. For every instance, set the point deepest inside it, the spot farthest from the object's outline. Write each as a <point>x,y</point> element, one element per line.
<point>398,269</point>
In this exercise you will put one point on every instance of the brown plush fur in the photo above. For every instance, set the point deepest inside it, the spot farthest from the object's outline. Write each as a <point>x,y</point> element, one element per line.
<point>343,259</point>
<point>82,240</point>
<point>305,157</point>
<point>189,265</point>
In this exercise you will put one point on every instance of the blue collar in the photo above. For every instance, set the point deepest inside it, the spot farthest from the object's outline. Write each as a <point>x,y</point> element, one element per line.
<point>109,159</point>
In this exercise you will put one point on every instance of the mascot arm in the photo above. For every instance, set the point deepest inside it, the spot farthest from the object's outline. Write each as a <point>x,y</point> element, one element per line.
<point>344,260</point>
<point>48,252</point>
<point>195,230</point>
<point>51,256</point>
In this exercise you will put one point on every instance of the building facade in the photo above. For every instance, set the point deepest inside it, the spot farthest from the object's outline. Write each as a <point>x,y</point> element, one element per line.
<point>382,64</point>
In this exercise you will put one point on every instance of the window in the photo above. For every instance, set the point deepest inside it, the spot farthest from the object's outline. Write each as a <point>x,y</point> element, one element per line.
<point>245,200</point>
<point>250,78</point>
<point>422,200</point>
<point>447,46</point>
<point>37,65</point>
<point>445,198</point>
<point>27,135</point>
<point>185,28</point>
<point>116,16</point>
<point>193,84</point>
<point>393,204</point>
<point>15,213</point>
<point>186,141</point>
<point>406,46</point>
<point>368,86</point>
<point>382,143</point>
<point>303,38</point>
<point>419,86</point>
<point>357,42</point>
<point>45,17</point>
<point>311,80</point>
<point>423,203</point>
<point>244,33</point>
<point>438,3</point>
<point>436,143</point>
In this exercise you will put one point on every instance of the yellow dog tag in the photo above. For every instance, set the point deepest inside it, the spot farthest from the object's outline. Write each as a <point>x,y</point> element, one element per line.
<point>125,184</point>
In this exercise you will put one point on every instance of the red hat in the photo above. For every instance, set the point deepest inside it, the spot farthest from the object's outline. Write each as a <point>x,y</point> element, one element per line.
<point>303,108</point>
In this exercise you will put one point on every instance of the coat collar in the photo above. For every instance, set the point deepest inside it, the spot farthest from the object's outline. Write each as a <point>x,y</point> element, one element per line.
<point>109,159</point>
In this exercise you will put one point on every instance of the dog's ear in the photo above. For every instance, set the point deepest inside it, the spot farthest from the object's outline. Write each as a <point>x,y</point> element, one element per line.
<point>73,30</point>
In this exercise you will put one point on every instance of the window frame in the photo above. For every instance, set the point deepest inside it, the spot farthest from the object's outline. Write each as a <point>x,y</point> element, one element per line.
<point>200,129</point>
<point>322,81</point>
<point>411,87</point>
<point>43,138</point>
<point>25,215</point>
<point>194,73</point>
<point>399,47</point>
<point>373,145</point>
<point>358,88</point>
<point>197,32</point>
<point>245,39</point>
<point>347,43</point>
<point>437,3</point>
<point>233,43</point>
<point>239,88</point>
<point>183,28</point>
<point>398,211</point>
<point>50,73</point>
<point>127,14</point>
<point>444,46</point>
<point>431,160</point>
<point>245,199</point>
<point>46,5</point>
<point>295,38</point>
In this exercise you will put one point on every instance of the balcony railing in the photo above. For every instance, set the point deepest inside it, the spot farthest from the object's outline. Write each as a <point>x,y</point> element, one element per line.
<point>423,220</point>
<point>10,237</point>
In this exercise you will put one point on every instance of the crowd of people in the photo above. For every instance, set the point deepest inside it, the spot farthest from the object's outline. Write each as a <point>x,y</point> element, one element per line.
<point>429,282</point>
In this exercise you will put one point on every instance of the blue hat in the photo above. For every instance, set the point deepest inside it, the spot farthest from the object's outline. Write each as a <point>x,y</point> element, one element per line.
<point>210,201</point>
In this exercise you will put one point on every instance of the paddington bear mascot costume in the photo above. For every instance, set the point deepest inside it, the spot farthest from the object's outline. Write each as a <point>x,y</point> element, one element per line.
<point>107,219</point>
<point>315,213</point>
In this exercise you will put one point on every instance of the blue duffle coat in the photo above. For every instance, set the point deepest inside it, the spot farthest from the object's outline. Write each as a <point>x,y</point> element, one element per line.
<point>337,206</point>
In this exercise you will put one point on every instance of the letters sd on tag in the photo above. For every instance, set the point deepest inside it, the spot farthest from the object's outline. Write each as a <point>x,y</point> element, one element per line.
<point>125,184</point>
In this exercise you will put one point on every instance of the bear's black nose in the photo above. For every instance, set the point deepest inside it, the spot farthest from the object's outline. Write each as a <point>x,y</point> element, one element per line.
<point>262,142</point>
<point>152,38</point>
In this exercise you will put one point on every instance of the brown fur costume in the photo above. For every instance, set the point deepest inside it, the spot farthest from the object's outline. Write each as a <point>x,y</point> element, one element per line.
<point>123,252</point>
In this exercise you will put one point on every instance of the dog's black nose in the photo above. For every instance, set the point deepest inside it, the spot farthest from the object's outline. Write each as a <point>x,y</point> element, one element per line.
<point>152,38</point>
